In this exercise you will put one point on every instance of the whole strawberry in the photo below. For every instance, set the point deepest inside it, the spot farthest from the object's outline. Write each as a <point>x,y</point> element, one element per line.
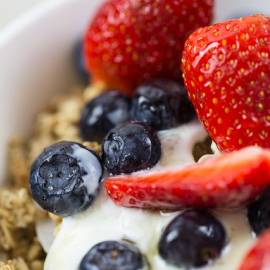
<point>130,41</point>
<point>227,73</point>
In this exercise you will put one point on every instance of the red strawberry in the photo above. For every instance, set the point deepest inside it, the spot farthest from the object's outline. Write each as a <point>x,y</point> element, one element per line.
<point>230,180</point>
<point>258,258</point>
<point>130,41</point>
<point>227,73</point>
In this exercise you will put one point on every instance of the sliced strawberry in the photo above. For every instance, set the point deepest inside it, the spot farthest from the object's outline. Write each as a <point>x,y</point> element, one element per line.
<point>258,257</point>
<point>230,180</point>
<point>130,41</point>
<point>227,73</point>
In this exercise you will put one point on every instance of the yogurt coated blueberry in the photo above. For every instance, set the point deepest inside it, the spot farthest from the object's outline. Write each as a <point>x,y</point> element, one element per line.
<point>65,178</point>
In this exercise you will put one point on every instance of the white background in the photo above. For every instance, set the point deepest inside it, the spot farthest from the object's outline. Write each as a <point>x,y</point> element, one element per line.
<point>11,9</point>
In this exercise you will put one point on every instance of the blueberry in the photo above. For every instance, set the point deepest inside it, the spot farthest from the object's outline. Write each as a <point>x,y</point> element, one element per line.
<point>112,255</point>
<point>102,114</point>
<point>192,239</point>
<point>130,147</point>
<point>79,61</point>
<point>65,178</point>
<point>259,212</point>
<point>162,103</point>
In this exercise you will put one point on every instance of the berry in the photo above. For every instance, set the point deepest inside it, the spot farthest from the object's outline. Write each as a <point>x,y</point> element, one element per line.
<point>258,256</point>
<point>227,75</point>
<point>192,239</point>
<point>79,61</point>
<point>65,178</point>
<point>205,184</point>
<point>111,255</point>
<point>129,42</point>
<point>130,147</point>
<point>259,213</point>
<point>102,114</point>
<point>162,104</point>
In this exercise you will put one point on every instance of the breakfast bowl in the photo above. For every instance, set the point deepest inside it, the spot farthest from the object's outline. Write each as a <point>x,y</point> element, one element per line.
<point>38,69</point>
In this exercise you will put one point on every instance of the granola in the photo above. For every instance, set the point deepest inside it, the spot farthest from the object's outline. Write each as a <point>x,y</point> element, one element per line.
<point>19,246</point>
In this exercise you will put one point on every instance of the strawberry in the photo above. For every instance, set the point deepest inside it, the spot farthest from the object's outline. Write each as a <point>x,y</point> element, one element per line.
<point>227,181</point>
<point>258,256</point>
<point>130,41</point>
<point>227,73</point>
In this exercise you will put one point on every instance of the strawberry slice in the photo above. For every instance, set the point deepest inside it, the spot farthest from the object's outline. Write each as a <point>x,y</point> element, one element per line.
<point>227,181</point>
<point>258,257</point>
<point>130,41</point>
<point>227,73</point>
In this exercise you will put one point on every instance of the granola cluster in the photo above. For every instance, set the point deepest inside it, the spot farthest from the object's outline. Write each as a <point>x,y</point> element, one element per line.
<point>19,246</point>
<point>17,231</point>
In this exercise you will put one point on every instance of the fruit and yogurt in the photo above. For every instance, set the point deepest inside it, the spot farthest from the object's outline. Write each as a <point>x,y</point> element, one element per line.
<point>154,207</point>
<point>105,221</point>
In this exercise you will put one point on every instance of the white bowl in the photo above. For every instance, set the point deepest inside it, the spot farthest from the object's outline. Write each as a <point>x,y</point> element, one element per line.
<point>36,57</point>
<point>36,60</point>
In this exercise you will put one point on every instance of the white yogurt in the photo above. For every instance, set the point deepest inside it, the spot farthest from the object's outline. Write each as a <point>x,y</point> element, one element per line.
<point>106,221</point>
<point>92,168</point>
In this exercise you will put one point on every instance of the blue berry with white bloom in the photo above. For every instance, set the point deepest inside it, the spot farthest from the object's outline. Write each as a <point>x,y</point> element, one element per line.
<point>130,147</point>
<point>112,255</point>
<point>65,178</point>
<point>259,213</point>
<point>162,103</point>
<point>103,113</point>
<point>192,239</point>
